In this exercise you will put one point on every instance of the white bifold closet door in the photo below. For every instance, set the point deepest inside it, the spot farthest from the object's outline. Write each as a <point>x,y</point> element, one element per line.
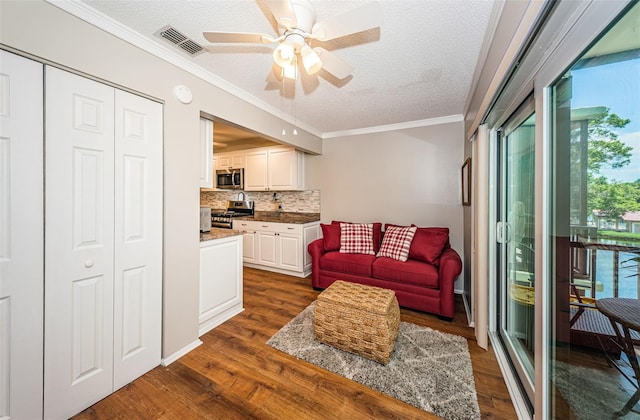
<point>21,237</point>
<point>103,240</point>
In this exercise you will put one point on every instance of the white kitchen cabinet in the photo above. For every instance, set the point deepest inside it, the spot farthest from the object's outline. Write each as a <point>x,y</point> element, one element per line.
<point>274,168</point>
<point>256,174</point>
<point>267,248</point>
<point>220,281</point>
<point>230,160</point>
<point>310,232</point>
<point>206,153</point>
<point>286,169</point>
<point>279,247</point>
<point>289,251</point>
<point>249,246</point>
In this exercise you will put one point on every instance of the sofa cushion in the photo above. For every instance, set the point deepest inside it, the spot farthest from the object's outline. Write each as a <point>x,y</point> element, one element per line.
<point>331,237</point>
<point>408,272</point>
<point>356,264</point>
<point>396,242</point>
<point>377,234</point>
<point>356,238</point>
<point>428,244</point>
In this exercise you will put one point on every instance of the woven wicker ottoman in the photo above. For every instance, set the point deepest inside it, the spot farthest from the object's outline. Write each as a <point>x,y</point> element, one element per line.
<point>359,319</point>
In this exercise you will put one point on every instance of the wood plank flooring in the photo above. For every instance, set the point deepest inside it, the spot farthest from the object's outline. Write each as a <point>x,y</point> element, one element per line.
<point>235,375</point>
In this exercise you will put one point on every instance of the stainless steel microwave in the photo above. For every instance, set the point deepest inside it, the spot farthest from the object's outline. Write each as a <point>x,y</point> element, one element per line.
<point>230,179</point>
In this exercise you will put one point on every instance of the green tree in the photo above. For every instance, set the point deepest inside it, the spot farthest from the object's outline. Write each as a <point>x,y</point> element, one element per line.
<point>604,149</point>
<point>613,200</point>
<point>604,146</point>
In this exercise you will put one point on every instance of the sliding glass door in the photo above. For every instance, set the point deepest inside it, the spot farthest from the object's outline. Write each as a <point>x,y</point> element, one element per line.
<point>515,237</point>
<point>594,232</point>
<point>564,189</point>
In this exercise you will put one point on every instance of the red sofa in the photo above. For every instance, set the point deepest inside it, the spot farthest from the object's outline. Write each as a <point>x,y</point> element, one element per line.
<point>423,282</point>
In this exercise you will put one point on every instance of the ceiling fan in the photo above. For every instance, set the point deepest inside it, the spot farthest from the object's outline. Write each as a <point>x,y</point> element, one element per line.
<point>298,27</point>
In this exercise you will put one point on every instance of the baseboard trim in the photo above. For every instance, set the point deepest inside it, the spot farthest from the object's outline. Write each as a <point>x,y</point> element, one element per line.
<point>211,323</point>
<point>278,270</point>
<point>166,361</point>
<point>467,309</point>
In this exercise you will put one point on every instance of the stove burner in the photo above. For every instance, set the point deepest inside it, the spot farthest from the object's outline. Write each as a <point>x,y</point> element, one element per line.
<point>223,220</point>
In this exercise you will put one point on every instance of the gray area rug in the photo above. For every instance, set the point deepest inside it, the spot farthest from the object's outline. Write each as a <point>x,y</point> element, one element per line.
<point>428,369</point>
<point>593,393</point>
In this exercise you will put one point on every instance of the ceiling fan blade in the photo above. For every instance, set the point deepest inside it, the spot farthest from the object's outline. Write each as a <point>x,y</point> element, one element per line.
<point>334,64</point>
<point>283,11</point>
<point>237,37</point>
<point>274,72</point>
<point>357,20</point>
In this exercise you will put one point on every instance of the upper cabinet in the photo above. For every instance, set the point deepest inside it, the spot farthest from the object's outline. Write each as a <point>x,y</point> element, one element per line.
<point>230,160</point>
<point>286,169</point>
<point>206,153</point>
<point>274,168</point>
<point>256,173</point>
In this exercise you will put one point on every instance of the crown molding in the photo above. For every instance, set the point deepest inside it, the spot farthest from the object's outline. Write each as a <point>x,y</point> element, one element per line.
<point>98,19</point>
<point>395,127</point>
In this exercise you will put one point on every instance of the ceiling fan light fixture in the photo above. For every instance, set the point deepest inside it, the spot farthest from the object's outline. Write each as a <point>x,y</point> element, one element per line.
<point>290,71</point>
<point>310,60</point>
<point>284,54</point>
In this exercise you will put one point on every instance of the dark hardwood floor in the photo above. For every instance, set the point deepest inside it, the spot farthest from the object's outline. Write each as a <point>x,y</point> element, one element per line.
<point>235,375</point>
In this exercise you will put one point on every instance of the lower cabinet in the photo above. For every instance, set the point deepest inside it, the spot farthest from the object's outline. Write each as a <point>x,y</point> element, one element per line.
<point>249,253</point>
<point>220,281</point>
<point>280,247</point>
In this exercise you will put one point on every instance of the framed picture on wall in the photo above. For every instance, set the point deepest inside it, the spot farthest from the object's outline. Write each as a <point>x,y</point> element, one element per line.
<point>466,182</point>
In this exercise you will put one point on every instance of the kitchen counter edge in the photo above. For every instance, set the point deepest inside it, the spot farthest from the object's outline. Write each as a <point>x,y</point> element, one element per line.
<point>218,233</point>
<point>283,217</point>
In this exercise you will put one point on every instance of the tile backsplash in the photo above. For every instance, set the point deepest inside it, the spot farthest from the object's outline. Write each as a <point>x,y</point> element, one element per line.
<point>291,201</point>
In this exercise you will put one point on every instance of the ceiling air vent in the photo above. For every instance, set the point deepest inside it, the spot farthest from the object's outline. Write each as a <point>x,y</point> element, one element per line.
<point>178,39</point>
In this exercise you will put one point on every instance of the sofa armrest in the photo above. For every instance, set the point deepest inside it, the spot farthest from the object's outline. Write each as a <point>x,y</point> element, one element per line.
<point>450,268</point>
<point>316,250</point>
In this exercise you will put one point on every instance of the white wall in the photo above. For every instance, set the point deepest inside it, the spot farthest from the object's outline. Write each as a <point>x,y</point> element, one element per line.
<point>405,176</point>
<point>42,30</point>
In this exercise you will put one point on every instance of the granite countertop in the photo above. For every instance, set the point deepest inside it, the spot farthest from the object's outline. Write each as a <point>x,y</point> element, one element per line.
<point>283,217</point>
<point>218,233</point>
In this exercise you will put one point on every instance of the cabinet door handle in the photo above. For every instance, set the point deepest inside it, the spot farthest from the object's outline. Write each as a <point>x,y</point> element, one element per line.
<point>290,228</point>
<point>265,226</point>
<point>88,263</point>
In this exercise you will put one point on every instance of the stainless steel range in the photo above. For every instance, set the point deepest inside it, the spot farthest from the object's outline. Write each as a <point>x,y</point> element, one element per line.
<point>235,208</point>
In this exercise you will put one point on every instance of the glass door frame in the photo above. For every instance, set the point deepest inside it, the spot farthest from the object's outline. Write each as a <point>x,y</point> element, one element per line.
<point>515,121</point>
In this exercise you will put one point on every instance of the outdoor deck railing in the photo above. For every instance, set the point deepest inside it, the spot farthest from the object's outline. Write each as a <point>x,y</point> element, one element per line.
<point>584,266</point>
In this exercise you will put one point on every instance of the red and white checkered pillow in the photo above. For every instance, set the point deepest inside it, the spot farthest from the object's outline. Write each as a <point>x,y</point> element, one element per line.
<point>397,242</point>
<point>356,238</point>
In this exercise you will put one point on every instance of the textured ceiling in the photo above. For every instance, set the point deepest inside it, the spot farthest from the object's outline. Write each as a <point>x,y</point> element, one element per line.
<point>419,65</point>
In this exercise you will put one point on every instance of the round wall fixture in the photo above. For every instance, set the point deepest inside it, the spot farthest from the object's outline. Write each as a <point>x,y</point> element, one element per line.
<point>183,94</point>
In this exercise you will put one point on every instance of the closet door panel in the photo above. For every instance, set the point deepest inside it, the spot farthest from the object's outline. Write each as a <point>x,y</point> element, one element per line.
<point>21,237</point>
<point>138,238</point>
<point>78,243</point>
